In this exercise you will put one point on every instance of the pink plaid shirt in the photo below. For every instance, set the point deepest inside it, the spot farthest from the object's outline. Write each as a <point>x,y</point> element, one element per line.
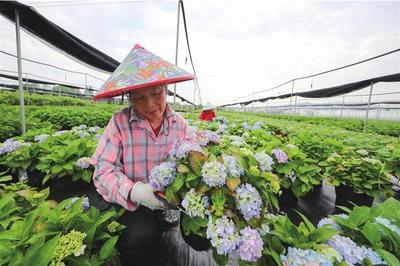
<point>129,149</point>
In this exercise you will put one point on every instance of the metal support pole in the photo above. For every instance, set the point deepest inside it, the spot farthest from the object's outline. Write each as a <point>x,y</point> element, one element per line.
<point>86,88</point>
<point>291,98</point>
<point>369,102</point>
<point>177,45</point>
<point>252,103</point>
<point>21,89</point>
<point>295,105</point>
<point>378,111</point>
<point>27,87</point>
<point>341,110</point>
<point>194,93</point>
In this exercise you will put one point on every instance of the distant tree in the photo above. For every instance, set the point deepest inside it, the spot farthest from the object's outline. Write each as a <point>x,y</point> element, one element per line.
<point>63,89</point>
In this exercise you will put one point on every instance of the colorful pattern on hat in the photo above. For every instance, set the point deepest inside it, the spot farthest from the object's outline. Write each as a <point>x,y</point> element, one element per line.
<point>140,69</point>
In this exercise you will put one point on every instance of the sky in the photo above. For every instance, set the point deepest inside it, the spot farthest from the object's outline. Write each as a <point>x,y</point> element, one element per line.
<point>238,47</point>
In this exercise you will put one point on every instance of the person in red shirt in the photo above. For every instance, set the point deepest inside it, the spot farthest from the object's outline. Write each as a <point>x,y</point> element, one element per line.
<point>208,113</point>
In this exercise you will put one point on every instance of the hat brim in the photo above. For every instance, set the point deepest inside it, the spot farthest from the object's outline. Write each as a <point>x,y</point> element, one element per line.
<point>118,92</point>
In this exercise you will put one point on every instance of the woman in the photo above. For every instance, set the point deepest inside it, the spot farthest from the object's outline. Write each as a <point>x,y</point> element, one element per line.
<point>208,113</point>
<point>135,140</point>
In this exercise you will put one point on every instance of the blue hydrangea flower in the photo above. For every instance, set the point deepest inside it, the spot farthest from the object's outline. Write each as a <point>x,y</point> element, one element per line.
<point>395,183</point>
<point>83,162</point>
<point>385,222</point>
<point>304,257</point>
<point>10,145</point>
<point>264,160</point>
<point>86,204</point>
<point>205,137</point>
<point>82,134</point>
<point>221,120</point>
<point>374,257</point>
<point>248,201</point>
<point>195,204</point>
<point>81,127</point>
<point>250,244</point>
<point>162,175</point>
<point>222,128</point>
<point>280,155</point>
<point>245,126</point>
<point>191,132</point>
<point>213,173</point>
<point>237,141</point>
<point>291,175</point>
<point>41,137</point>
<point>181,148</point>
<point>329,221</point>
<point>60,132</point>
<point>264,230</point>
<point>257,125</point>
<point>222,234</point>
<point>233,166</point>
<point>347,249</point>
<point>94,129</point>
<point>98,136</point>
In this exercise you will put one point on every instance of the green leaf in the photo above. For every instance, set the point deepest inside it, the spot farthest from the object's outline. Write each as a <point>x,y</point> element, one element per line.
<point>371,232</point>
<point>321,234</point>
<point>87,176</point>
<point>46,252</point>
<point>108,247</point>
<point>33,250</point>
<point>196,161</point>
<point>177,184</point>
<point>5,178</point>
<point>310,226</point>
<point>388,257</point>
<point>171,196</point>
<point>359,215</point>
<point>221,260</point>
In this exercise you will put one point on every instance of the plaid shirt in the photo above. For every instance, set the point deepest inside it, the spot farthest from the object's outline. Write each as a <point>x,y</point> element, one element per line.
<point>129,149</point>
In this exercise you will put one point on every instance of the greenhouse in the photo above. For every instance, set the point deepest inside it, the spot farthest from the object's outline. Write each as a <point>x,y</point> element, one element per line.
<point>128,162</point>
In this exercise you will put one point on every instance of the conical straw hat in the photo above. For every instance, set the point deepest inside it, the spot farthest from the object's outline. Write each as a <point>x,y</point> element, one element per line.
<point>140,69</point>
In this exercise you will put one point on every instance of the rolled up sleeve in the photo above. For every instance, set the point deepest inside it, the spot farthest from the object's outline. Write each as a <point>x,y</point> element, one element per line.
<point>110,181</point>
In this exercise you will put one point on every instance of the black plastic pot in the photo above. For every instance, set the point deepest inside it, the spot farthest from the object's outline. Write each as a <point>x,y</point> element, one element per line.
<point>397,195</point>
<point>313,194</point>
<point>195,241</point>
<point>63,188</point>
<point>346,196</point>
<point>287,199</point>
<point>35,178</point>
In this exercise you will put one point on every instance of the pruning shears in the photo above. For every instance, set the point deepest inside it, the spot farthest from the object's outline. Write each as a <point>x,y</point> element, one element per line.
<point>163,199</point>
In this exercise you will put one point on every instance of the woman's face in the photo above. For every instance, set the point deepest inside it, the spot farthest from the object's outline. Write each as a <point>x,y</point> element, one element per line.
<point>150,102</point>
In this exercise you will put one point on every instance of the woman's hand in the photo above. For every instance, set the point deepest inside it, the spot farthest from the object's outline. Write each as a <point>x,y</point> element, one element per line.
<point>143,194</point>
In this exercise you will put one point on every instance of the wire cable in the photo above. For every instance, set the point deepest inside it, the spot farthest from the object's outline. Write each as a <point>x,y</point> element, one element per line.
<point>48,79</point>
<point>79,3</point>
<point>320,73</point>
<point>188,45</point>
<point>45,64</point>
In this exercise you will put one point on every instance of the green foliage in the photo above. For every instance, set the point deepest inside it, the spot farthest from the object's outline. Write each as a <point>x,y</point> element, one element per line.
<point>12,98</point>
<point>54,157</point>
<point>364,226</point>
<point>364,174</point>
<point>37,231</point>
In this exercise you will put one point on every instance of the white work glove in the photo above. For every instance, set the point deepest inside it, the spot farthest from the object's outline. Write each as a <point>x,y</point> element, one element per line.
<point>143,194</point>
